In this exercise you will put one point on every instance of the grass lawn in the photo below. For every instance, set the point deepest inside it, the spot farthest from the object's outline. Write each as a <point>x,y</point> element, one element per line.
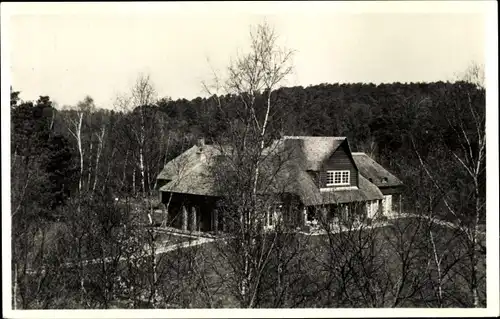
<point>202,276</point>
<point>317,255</point>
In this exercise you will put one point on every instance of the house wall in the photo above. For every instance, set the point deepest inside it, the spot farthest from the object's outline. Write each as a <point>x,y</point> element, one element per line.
<point>340,160</point>
<point>392,204</point>
<point>210,216</point>
<point>390,190</point>
<point>387,205</point>
<point>372,208</point>
<point>396,204</point>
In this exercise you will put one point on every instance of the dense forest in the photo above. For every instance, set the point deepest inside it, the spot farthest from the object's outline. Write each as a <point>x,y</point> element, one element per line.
<point>381,120</point>
<point>57,154</point>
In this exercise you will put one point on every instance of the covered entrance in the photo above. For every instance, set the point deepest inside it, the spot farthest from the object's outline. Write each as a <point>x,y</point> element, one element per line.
<point>191,212</point>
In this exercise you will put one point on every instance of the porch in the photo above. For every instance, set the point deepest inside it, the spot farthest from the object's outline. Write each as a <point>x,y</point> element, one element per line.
<point>192,213</point>
<point>196,213</point>
<point>349,214</point>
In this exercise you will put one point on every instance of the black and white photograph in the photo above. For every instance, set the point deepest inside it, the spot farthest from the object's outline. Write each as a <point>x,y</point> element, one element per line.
<point>250,159</point>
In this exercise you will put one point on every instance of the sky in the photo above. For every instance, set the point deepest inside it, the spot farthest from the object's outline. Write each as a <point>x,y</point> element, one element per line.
<point>68,51</point>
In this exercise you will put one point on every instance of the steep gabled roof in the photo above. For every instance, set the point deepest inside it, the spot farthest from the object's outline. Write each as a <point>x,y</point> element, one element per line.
<point>314,149</point>
<point>183,163</point>
<point>196,180</point>
<point>291,178</point>
<point>192,171</point>
<point>375,172</point>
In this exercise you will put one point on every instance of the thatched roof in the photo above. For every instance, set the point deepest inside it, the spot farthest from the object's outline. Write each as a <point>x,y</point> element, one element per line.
<point>191,172</point>
<point>290,159</point>
<point>294,180</point>
<point>375,172</point>
<point>365,191</point>
<point>183,163</point>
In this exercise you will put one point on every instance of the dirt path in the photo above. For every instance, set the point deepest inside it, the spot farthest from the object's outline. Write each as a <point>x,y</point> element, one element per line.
<point>186,244</point>
<point>439,222</point>
<point>161,249</point>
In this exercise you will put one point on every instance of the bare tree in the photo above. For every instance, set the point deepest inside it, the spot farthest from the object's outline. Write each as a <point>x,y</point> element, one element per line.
<point>351,262</point>
<point>253,75</point>
<point>377,262</point>
<point>474,73</point>
<point>100,145</point>
<point>468,158</point>
<point>246,173</point>
<point>74,118</point>
<point>142,95</point>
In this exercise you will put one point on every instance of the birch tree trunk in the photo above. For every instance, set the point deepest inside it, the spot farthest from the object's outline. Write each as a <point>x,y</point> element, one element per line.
<point>80,150</point>
<point>98,155</point>
<point>141,169</point>
<point>437,261</point>
<point>89,178</point>
<point>76,132</point>
<point>141,153</point>
<point>75,128</point>
<point>15,287</point>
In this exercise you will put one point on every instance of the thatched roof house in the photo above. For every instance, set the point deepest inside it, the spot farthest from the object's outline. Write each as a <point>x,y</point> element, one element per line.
<point>317,170</point>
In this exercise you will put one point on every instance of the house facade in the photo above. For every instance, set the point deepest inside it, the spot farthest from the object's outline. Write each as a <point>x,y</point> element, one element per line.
<point>321,179</point>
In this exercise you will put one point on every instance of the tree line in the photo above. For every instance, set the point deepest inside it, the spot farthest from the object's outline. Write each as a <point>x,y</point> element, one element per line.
<point>84,181</point>
<point>379,120</point>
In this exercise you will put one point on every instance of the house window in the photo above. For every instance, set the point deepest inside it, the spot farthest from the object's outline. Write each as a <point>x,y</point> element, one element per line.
<point>273,214</point>
<point>310,215</point>
<point>336,178</point>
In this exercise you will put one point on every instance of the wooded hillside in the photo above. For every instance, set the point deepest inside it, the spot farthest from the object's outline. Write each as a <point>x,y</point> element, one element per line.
<point>380,120</point>
<point>66,160</point>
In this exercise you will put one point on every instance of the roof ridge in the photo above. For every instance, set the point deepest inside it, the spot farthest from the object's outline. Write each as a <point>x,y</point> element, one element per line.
<point>358,153</point>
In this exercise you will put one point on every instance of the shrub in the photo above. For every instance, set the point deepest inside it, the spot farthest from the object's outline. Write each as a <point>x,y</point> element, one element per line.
<point>382,218</point>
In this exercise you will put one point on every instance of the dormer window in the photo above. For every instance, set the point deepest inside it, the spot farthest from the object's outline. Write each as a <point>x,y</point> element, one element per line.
<point>338,178</point>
